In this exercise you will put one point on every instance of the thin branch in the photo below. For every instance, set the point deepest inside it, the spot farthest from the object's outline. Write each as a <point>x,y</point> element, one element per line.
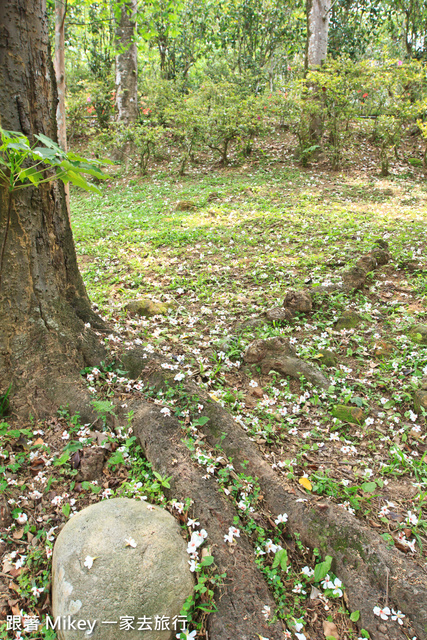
<point>330,9</point>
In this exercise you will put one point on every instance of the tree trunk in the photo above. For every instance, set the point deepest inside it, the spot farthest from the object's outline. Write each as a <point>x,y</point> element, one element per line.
<point>318,15</point>
<point>127,65</point>
<point>59,64</point>
<point>43,301</point>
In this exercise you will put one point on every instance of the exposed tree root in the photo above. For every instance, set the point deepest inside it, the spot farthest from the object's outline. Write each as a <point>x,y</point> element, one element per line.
<point>245,591</point>
<point>369,569</point>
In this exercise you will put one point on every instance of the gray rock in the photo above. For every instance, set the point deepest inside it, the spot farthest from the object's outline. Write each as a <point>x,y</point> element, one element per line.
<point>276,354</point>
<point>146,307</point>
<point>260,349</point>
<point>152,579</point>
<point>278,314</point>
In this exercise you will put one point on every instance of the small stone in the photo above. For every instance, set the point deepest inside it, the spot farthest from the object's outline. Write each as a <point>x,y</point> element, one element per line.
<point>383,349</point>
<point>214,195</point>
<point>348,320</point>
<point>259,349</point>
<point>278,314</point>
<point>420,400</point>
<point>146,307</point>
<point>354,278</point>
<point>185,205</point>
<point>97,576</point>
<point>381,256</point>
<point>382,244</point>
<point>91,464</point>
<point>298,301</point>
<point>418,333</point>
<point>354,415</point>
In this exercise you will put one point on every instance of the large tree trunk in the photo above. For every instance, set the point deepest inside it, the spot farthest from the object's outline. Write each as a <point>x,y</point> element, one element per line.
<point>127,65</point>
<point>318,15</point>
<point>43,301</point>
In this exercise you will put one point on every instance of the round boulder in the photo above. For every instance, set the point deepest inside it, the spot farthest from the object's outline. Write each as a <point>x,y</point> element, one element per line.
<point>123,565</point>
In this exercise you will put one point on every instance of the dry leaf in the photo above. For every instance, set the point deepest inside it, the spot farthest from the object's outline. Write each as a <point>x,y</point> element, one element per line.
<point>305,482</point>
<point>38,441</point>
<point>315,593</point>
<point>18,534</point>
<point>330,629</point>
<point>7,567</point>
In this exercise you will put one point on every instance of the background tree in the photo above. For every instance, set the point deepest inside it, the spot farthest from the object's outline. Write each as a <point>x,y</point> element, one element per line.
<point>318,16</point>
<point>126,63</point>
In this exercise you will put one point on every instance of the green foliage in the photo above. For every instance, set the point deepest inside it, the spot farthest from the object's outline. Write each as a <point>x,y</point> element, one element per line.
<point>4,402</point>
<point>322,568</point>
<point>24,165</point>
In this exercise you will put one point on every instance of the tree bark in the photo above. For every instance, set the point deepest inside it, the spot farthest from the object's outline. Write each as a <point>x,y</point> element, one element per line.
<point>318,16</point>
<point>43,302</point>
<point>59,65</point>
<point>127,65</point>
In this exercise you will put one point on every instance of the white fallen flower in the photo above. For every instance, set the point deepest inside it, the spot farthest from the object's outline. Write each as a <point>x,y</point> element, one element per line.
<point>88,562</point>
<point>130,542</point>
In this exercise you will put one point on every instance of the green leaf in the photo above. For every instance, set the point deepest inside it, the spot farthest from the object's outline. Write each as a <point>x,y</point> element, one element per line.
<point>79,181</point>
<point>31,174</point>
<point>281,558</point>
<point>321,569</point>
<point>206,562</point>
<point>354,617</point>
<point>48,142</point>
<point>369,487</point>
<point>62,459</point>
<point>66,508</point>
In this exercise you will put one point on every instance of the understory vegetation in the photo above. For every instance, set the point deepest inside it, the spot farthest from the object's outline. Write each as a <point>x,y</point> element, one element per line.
<point>216,249</point>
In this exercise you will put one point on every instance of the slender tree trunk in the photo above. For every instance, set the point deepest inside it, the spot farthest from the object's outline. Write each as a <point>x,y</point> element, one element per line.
<point>59,64</point>
<point>318,16</point>
<point>127,65</point>
<point>43,302</point>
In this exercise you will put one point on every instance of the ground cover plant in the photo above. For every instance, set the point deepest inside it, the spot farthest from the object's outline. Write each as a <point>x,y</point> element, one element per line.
<point>215,250</point>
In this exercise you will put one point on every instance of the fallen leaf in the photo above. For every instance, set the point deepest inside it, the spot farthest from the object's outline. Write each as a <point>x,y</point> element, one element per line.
<point>330,630</point>
<point>305,482</point>
<point>38,441</point>
<point>18,534</point>
<point>7,567</point>
<point>314,594</point>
